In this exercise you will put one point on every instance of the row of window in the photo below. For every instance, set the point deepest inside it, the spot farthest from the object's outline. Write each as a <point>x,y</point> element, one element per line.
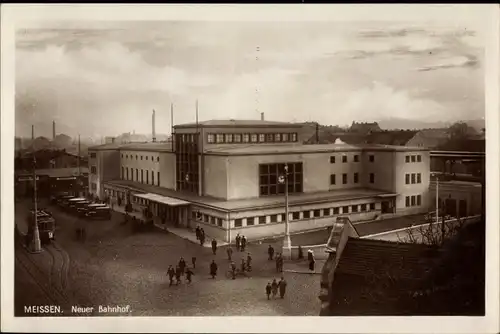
<point>202,217</point>
<point>145,157</point>
<point>355,158</point>
<point>414,200</point>
<point>93,155</point>
<point>141,175</point>
<point>93,169</point>
<point>413,158</point>
<point>230,138</point>
<point>333,178</point>
<point>413,178</point>
<point>273,178</point>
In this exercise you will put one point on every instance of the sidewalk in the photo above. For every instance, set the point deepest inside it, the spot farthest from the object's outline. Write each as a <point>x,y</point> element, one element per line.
<point>302,267</point>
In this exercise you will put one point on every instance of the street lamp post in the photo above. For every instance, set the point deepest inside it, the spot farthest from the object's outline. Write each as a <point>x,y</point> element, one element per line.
<point>36,244</point>
<point>287,243</point>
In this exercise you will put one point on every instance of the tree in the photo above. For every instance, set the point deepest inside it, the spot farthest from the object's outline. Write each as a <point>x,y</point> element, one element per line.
<point>433,233</point>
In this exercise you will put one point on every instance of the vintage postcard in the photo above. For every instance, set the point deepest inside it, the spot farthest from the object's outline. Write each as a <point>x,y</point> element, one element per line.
<point>167,167</point>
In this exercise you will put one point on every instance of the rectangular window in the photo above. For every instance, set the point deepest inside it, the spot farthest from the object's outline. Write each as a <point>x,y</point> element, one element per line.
<point>419,158</point>
<point>363,207</point>
<point>345,209</point>
<point>332,160</point>
<point>274,218</point>
<point>212,220</point>
<point>93,155</point>
<point>250,221</point>
<point>269,138</point>
<point>294,137</point>
<point>413,200</point>
<point>211,138</point>
<point>277,137</point>
<point>283,217</point>
<point>295,215</point>
<point>285,137</point>
<point>246,137</point>
<point>147,177</point>
<point>413,179</point>
<point>253,138</point>
<point>356,177</point>
<point>407,159</point>
<point>237,138</point>
<point>262,138</point>
<point>158,159</point>
<point>158,179</point>
<point>344,158</point>
<point>354,208</point>
<point>142,175</point>
<point>326,212</point>
<point>419,200</point>
<point>371,158</point>
<point>335,211</point>
<point>317,213</point>
<point>147,158</point>
<point>238,222</point>
<point>332,179</point>
<point>141,157</point>
<point>413,158</point>
<point>307,214</point>
<point>344,178</point>
<point>262,220</point>
<point>93,169</point>
<point>123,173</point>
<point>372,178</point>
<point>407,201</point>
<point>152,177</point>
<point>137,174</point>
<point>219,222</point>
<point>407,178</point>
<point>220,138</point>
<point>229,137</point>
<point>372,206</point>
<point>356,158</point>
<point>271,174</point>
<point>207,218</point>
<point>419,178</point>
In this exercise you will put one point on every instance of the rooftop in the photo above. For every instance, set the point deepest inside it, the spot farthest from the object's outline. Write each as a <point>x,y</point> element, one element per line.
<point>237,123</point>
<point>148,146</point>
<point>57,172</point>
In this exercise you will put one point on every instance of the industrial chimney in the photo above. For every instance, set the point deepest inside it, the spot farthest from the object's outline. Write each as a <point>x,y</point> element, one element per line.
<point>261,116</point>
<point>153,125</point>
<point>53,130</point>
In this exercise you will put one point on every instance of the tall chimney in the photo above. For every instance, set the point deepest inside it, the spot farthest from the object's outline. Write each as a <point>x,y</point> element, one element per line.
<point>153,125</point>
<point>317,133</point>
<point>261,116</point>
<point>32,132</point>
<point>53,130</point>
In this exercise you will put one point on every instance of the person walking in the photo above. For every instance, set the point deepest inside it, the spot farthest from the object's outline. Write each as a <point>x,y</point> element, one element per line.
<point>213,269</point>
<point>178,275</point>
<point>233,269</point>
<point>249,262</point>
<point>270,252</point>
<point>243,243</point>
<point>189,274</point>
<point>280,264</point>
<point>182,265</point>
<point>229,251</point>
<point>198,232</point>
<point>238,242</point>
<point>277,260</point>
<point>274,287</point>
<point>171,274</point>
<point>193,261</point>
<point>312,261</point>
<point>202,237</point>
<point>282,287</point>
<point>243,266</point>
<point>268,290</point>
<point>214,246</point>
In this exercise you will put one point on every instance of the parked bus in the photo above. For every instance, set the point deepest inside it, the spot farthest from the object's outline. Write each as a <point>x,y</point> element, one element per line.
<point>99,212</point>
<point>79,205</point>
<point>46,226</point>
<point>82,211</point>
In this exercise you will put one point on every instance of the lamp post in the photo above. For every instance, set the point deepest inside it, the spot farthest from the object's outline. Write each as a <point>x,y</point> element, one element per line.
<point>287,243</point>
<point>36,244</point>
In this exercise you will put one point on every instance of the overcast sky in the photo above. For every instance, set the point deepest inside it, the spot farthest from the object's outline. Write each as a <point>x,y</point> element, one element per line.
<point>105,79</point>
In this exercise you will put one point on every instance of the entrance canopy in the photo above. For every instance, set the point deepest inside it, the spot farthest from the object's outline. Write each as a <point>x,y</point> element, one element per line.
<point>387,195</point>
<point>162,199</point>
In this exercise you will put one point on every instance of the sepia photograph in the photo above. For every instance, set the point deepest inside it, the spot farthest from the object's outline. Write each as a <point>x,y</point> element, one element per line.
<point>234,167</point>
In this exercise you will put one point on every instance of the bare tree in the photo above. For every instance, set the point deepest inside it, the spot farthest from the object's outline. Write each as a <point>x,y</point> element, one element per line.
<point>432,233</point>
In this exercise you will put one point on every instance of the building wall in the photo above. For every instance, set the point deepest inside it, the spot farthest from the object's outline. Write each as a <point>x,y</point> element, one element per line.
<point>104,165</point>
<point>468,191</point>
<point>148,162</point>
<point>216,176</point>
<point>383,168</point>
<point>167,170</point>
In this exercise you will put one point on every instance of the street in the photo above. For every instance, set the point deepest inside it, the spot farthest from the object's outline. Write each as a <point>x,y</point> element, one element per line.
<point>117,267</point>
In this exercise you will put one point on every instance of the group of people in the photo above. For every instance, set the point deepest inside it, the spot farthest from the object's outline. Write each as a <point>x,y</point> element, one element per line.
<point>274,287</point>
<point>278,258</point>
<point>241,242</point>
<point>200,236</point>
<point>180,270</point>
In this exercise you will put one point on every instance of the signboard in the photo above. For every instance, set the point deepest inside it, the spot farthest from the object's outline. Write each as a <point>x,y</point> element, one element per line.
<point>27,178</point>
<point>65,178</point>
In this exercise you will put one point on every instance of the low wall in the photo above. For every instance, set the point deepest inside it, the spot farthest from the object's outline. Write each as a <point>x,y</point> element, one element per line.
<point>318,250</point>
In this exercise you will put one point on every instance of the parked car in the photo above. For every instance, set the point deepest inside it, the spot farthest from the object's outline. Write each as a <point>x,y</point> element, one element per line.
<point>82,211</point>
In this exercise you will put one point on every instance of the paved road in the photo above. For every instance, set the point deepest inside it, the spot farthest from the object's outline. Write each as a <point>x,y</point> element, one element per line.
<point>117,267</point>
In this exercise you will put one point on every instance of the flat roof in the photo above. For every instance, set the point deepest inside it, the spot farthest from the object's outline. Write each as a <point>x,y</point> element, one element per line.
<point>56,172</point>
<point>252,203</point>
<point>238,123</point>
<point>147,146</point>
<point>162,199</point>
<point>268,149</point>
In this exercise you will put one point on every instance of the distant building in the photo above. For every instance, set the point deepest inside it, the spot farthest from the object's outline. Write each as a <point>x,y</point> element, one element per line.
<point>52,181</point>
<point>429,138</point>
<point>224,176</point>
<point>382,137</point>
<point>364,128</point>
<point>48,159</point>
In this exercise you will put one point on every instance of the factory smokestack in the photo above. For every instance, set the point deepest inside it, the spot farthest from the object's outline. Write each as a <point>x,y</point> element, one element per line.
<point>153,125</point>
<point>53,130</point>
<point>261,116</point>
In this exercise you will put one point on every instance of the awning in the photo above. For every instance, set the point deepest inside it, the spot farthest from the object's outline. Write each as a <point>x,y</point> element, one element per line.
<point>387,195</point>
<point>162,199</point>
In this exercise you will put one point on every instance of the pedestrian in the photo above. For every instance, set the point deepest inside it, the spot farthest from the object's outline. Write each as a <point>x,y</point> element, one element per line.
<point>229,251</point>
<point>193,261</point>
<point>249,262</point>
<point>243,243</point>
<point>214,246</point>
<point>268,290</point>
<point>202,239</point>
<point>270,252</point>
<point>182,265</point>
<point>189,274</point>
<point>213,269</point>
<point>238,240</point>
<point>233,269</point>
<point>178,275</point>
<point>243,266</point>
<point>280,264</point>
<point>171,274</point>
<point>277,260</point>
<point>282,287</point>
<point>274,287</point>
<point>312,261</point>
<point>198,232</point>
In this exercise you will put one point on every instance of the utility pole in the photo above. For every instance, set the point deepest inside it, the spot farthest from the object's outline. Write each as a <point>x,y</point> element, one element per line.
<point>36,245</point>
<point>287,243</point>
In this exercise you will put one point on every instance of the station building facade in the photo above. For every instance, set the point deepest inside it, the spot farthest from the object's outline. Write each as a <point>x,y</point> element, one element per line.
<point>225,176</point>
